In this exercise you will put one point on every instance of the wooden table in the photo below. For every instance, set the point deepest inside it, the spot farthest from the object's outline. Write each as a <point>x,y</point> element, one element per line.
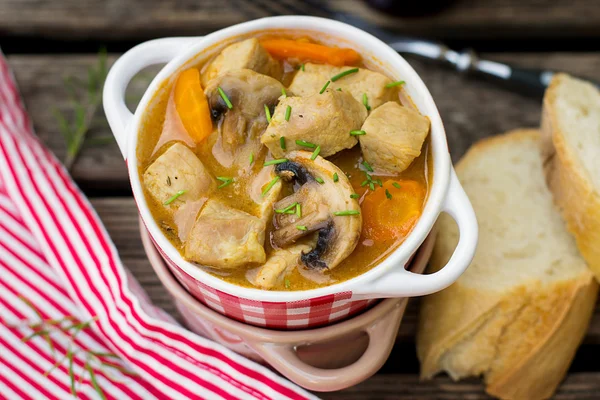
<point>38,35</point>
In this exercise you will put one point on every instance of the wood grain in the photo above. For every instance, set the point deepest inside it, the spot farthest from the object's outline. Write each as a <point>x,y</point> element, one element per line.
<point>471,108</point>
<point>119,215</point>
<point>140,19</point>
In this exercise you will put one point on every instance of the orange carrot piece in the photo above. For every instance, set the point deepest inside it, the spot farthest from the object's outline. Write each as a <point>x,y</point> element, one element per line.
<point>305,51</point>
<point>392,215</point>
<point>192,105</point>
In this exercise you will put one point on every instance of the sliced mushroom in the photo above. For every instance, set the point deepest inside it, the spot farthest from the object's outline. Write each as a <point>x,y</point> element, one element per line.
<point>240,127</point>
<point>337,234</point>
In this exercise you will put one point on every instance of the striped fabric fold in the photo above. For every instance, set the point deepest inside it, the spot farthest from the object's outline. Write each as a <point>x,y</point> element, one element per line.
<point>56,254</point>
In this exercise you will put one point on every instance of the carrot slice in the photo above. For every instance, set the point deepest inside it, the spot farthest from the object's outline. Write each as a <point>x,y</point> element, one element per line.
<point>392,215</point>
<point>192,105</point>
<point>306,51</point>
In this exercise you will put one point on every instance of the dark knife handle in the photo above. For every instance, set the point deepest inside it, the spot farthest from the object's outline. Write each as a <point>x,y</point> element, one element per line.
<point>530,80</point>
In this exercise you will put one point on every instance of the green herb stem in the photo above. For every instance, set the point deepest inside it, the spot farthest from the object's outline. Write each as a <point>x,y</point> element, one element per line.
<point>335,177</point>
<point>365,101</point>
<point>358,133</point>
<point>396,185</point>
<point>301,228</point>
<point>315,153</point>
<point>320,180</point>
<point>343,74</point>
<point>367,166</point>
<point>225,98</point>
<point>392,84</point>
<point>268,114</point>
<point>270,185</point>
<point>274,162</point>
<point>174,197</point>
<point>346,212</point>
<point>305,144</point>
<point>282,143</point>
<point>288,112</point>
<point>324,87</point>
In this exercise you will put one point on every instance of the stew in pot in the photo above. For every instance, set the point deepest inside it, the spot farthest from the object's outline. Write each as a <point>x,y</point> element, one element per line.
<point>284,164</point>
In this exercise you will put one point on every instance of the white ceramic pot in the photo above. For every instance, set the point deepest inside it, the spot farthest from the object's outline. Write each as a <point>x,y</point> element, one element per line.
<point>309,308</point>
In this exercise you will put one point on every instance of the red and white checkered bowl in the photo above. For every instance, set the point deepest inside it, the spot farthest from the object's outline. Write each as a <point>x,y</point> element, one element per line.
<point>309,308</point>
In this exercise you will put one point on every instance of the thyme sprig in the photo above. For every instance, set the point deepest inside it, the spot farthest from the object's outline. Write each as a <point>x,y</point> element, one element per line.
<point>71,326</point>
<point>85,97</point>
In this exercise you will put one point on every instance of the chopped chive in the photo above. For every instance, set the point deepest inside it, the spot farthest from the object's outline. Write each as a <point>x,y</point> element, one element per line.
<point>305,144</point>
<point>396,185</point>
<point>282,142</point>
<point>354,196</point>
<point>388,194</point>
<point>379,182</point>
<point>251,158</point>
<point>302,67</point>
<point>343,74</point>
<point>283,92</point>
<point>273,162</point>
<point>301,228</point>
<point>299,210</point>
<point>335,177</point>
<point>288,112</point>
<point>226,181</point>
<point>268,114</point>
<point>174,197</point>
<point>270,185</point>
<point>320,180</point>
<point>358,133</point>
<point>288,208</point>
<point>367,166</point>
<point>392,84</point>
<point>325,87</point>
<point>372,186</point>
<point>365,183</point>
<point>365,100</point>
<point>225,98</point>
<point>315,153</point>
<point>287,283</point>
<point>346,212</point>
<point>339,89</point>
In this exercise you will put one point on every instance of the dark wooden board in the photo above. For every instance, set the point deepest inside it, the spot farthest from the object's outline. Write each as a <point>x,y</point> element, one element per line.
<point>119,215</point>
<point>471,108</point>
<point>140,19</point>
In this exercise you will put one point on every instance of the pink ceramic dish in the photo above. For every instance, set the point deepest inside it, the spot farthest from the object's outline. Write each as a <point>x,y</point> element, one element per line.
<point>309,308</point>
<point>323,359</point>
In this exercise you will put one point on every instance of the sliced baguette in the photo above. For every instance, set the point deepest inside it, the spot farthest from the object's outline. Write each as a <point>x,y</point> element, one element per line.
<point>519,312</point>
<point>571,154</point>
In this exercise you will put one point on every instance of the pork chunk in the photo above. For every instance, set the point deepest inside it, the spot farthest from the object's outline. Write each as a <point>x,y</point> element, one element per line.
<point>279,261</point>
<point>394,138</point>
<point>177,169</point>
<point>225,238</point>
<point>323,119</point>
<point>247,54</point>
<point>371,83</point>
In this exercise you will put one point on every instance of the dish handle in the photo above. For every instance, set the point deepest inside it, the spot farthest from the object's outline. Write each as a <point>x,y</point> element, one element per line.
<point>382,336</point>
<point>152,52</point>
<point>400,282</point>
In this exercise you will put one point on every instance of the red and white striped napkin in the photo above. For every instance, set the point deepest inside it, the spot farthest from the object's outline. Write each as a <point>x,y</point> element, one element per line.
<point>56,259</point>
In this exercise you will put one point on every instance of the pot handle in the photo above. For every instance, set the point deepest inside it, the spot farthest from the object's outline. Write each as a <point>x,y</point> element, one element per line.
<point>152,52</point>
<point>382,336</point>
<point>406,283</point>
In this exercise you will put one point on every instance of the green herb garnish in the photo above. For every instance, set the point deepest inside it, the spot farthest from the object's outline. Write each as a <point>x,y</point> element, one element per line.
<point>365,100</point>
<point>305,144</point>
<point>354,196</point>
<point>226,181</point>
<point>396,185</point>
<point>274,162</point>
<point>372,186</point>
<point>225,98</point>
<point>367,166</point>
<point>315,153</point>
<point>287,209</point>
<point>251,158</point>
<point>358,133</point>
<point>174,197</point>
<point>301,228</point>
<point>288,112</point>
<point>335,177</point>
<point>320,180</point>
<point>270,185</point>
<point>325,87</point>
<point>268,114</point>
<point>339,89</point>
<point>388,194</point>
<point>283,92</point>
<point>282,143</point>
<point>343,74</point>
<point>302,67</point>
<point>392,84</point>
<point>287,283</point>
<point>346,212</point>
<point>364,183</point>
<point>299,210</point>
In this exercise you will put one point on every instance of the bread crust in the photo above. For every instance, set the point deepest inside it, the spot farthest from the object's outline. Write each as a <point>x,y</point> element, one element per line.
<point>570,184</point>
<point>523,341</point>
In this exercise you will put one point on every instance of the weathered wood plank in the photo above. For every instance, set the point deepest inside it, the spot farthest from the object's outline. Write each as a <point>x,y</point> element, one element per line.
<point>120,218</point>
<point>471,108</point>
<point>399,387</point>
<point>139,19</point>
